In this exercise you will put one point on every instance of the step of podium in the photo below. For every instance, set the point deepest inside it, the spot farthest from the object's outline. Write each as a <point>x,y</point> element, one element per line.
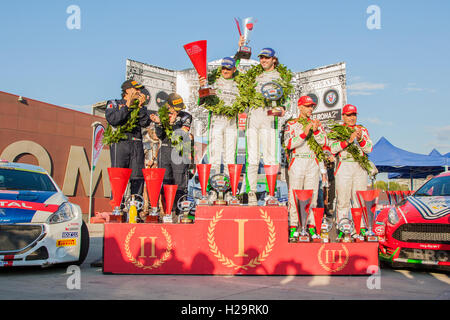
<point>226,240</point>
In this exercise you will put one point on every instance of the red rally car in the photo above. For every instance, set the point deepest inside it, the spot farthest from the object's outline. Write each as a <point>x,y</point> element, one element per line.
<point>417,230</point>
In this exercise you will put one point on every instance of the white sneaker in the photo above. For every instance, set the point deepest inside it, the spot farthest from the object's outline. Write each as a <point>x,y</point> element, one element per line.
<point>252,200</point>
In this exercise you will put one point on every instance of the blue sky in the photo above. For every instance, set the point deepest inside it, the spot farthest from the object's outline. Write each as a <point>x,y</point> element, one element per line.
<point>398,76</point>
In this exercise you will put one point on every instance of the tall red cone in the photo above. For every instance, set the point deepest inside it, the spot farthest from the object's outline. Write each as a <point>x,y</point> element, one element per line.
<point>118,178</point>
<point>357,215</point>
<point>271,175</point>
<point>203,171</point>
<point>368,201</point>
<point>303,202</point>
<point>234,170</point>
<point>318,217</point>
<point>197,53</point>
<point>170,192</point>
<point>153,180</point>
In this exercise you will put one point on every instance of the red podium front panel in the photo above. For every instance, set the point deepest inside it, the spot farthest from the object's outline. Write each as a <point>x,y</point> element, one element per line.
<point>234,240</point>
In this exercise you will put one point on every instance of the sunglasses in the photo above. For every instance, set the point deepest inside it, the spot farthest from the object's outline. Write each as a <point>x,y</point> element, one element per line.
<point>350,114</point>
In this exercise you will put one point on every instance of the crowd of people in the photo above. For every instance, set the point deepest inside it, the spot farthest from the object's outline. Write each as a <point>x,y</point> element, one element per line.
<point>330,158</point>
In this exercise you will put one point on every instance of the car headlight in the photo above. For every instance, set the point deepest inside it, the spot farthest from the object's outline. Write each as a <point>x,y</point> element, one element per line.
<point>65,213</point>
<point>393,216</point>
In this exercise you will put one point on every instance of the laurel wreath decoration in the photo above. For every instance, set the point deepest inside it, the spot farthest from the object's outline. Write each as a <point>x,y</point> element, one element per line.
<point>216,105</point>
<point>253,262</point>
<point>247,87</point>
<point>176,140</point>
<point>159,262</point>
<point>319,255</point>
<point>111,135</point>
<point>342,133</point>
<point>312,143</point>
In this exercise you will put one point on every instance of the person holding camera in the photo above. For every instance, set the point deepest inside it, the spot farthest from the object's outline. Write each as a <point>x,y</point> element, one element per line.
<point>126,118</point>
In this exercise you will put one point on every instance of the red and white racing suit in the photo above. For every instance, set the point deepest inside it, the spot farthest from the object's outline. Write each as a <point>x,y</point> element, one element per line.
<point>349,175</point>
<point>304,169</point>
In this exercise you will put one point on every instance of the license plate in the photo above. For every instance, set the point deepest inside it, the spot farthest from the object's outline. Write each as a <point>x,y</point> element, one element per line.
<point>426,254</point>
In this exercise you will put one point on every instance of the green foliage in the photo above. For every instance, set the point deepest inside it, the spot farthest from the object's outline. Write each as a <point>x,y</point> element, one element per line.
<point>111,136</point>
<point>252,99</point>
<point>342,133</point>
<point>312,143</point>
<point>175,140</point>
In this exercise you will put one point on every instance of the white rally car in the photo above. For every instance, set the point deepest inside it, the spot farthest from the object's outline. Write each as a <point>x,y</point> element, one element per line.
<point>38,225</point>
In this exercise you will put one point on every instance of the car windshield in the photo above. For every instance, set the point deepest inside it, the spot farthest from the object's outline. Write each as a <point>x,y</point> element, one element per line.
<point>435,187</point>
<point>25,180</point>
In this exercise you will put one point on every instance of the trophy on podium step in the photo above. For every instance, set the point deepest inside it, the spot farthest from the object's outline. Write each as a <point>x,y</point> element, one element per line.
<point>357,216</point>
<point>303,202</point>
<point>170,191</point>
<point>185,205</point>
<point>368,201</point>
<point>271,176</point>
<point>219,182</point>
<point>153,180</point>
<point>318,217</point>
<point>118,178</point>
<point>234,170</point>
<point>203,171</point>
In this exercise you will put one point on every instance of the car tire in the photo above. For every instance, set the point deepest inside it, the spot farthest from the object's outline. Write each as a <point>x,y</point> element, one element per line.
<point>84,247</point>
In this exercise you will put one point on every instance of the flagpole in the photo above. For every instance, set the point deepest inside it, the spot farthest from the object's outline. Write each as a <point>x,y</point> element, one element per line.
<point>93,125</point>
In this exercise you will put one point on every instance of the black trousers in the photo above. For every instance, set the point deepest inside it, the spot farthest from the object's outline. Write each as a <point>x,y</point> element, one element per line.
<point>177,171</point>
<point>130,154</point>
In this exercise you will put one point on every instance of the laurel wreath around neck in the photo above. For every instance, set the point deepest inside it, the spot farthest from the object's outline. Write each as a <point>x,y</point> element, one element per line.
<point>342,133</point>
<point>112,135</point>
<point>247,87</point>
<point>216,105</point>
<point>174,139</point>
<point>312,143</point>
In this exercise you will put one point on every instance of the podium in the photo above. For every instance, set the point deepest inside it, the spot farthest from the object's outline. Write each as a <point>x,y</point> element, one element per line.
<point>229,240</point>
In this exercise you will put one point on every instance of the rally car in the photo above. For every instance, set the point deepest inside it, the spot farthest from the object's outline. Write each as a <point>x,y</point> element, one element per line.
<point>416,232</point>
<point>38,225</point>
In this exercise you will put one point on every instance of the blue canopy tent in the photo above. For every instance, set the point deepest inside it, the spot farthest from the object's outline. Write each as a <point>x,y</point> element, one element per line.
<point>400,163</point>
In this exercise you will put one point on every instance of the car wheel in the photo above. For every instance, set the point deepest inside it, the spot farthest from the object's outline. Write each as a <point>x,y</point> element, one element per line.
<point>84,248</point>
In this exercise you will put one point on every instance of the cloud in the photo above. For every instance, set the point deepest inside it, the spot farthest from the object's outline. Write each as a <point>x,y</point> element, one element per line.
<point>412,88</point>
<point>364,88</point>
<point>442,133</point>
<point>377,121</point>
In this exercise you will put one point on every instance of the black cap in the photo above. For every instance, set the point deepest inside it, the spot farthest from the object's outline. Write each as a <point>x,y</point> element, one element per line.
<point>131,84</point>
<point>175,101</point>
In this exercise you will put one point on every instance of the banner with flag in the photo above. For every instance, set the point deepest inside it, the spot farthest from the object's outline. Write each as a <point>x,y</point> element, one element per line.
<point>97,144</point>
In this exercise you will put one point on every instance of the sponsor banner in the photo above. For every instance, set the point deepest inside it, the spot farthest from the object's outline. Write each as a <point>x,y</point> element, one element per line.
<point>335,115</point>
<point>229,241</point>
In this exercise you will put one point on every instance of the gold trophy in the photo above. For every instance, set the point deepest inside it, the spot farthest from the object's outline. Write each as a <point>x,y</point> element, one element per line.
<point>273,92</point>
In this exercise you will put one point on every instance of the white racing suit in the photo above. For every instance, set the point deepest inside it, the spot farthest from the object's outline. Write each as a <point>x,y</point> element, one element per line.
<point>304,168</point>
<point>349,175</point>
<point>261,135</point>
<point>222,130</point>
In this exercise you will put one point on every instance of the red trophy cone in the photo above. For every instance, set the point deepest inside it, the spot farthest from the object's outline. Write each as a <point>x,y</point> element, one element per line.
<point>303,202</point>
<point>368,202</point>
<point>318,217</point>
<point>357,215</point>
<point>153,180</point>
<point>234,170</point>
<point>203,175</point>
<point>169,195</point>
<point>197,53</point>
<point>118,178</point>
<point>271,175</point>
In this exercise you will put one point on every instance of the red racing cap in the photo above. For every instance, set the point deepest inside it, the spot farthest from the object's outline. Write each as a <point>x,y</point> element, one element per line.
<point>305,101</point>
<point>349,108</point>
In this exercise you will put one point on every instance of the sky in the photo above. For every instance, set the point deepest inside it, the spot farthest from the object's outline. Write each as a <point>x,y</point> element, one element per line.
<point>397,74</point>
